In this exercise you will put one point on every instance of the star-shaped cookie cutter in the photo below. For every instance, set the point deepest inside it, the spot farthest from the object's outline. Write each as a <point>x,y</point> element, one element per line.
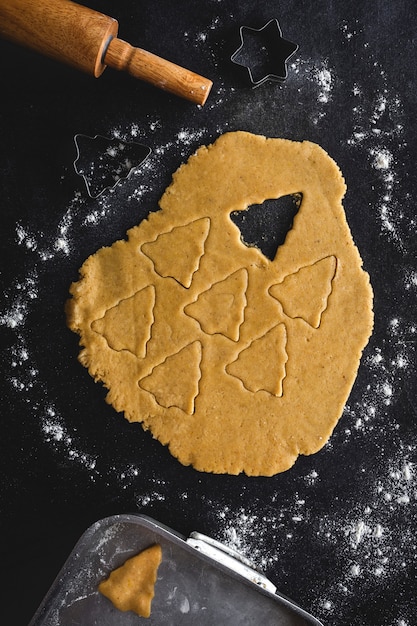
<point>264,52</point>
<point>104,162</point>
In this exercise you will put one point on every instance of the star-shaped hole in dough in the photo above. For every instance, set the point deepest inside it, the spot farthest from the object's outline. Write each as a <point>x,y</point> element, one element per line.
<point>264,52</point>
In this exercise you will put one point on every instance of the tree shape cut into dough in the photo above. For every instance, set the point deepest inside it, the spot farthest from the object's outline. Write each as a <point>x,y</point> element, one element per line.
<point>305,293</point>
<point>131,587</point>
<point>127,326</point>
<point>177,253</point>
<point>220,309</point>
<point>174,382</point>
<point>261,366</point>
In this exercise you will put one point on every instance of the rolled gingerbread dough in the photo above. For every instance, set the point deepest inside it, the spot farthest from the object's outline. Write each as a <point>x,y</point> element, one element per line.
<point>236,362</point>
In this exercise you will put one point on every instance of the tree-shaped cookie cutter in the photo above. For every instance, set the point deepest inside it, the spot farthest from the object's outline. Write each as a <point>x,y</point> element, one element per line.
<point>264,53</point>
<point>104,162</point>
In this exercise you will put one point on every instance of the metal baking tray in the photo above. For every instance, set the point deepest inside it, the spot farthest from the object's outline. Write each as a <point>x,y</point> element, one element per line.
<point>200,581</point>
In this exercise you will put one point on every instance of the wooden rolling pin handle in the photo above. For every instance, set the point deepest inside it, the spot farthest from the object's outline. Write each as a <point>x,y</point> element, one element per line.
<point>163,74</point>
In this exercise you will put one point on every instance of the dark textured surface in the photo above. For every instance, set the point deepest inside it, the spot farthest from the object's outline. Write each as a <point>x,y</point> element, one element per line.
<point>336,533</point>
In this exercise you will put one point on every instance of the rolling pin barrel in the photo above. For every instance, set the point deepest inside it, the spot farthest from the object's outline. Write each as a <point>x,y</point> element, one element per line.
<point>61,29</point>
<point>87,40</point>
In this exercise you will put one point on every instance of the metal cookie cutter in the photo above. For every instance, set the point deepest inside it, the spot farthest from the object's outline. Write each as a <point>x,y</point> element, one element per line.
<point>264,52</point>
<point>103,162</point>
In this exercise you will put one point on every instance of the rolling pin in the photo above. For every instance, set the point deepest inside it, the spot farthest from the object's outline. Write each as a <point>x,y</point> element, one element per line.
<point>87,40</point>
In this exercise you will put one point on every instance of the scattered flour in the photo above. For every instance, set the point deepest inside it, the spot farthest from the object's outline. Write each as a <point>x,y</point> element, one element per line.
<point>61,244</point>
<point>387,367</point>
<point>324,79</point>
<point>371,539</point>
<point>378,132</point>
<point>375,541</point>
<point>143,501</point>
<point>321,78</point>
<point>187,136</point>
<point>18,300</point>
<point>56,433</point>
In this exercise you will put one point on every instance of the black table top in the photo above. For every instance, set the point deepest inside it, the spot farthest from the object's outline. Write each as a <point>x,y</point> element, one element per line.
<point>336,533</point>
